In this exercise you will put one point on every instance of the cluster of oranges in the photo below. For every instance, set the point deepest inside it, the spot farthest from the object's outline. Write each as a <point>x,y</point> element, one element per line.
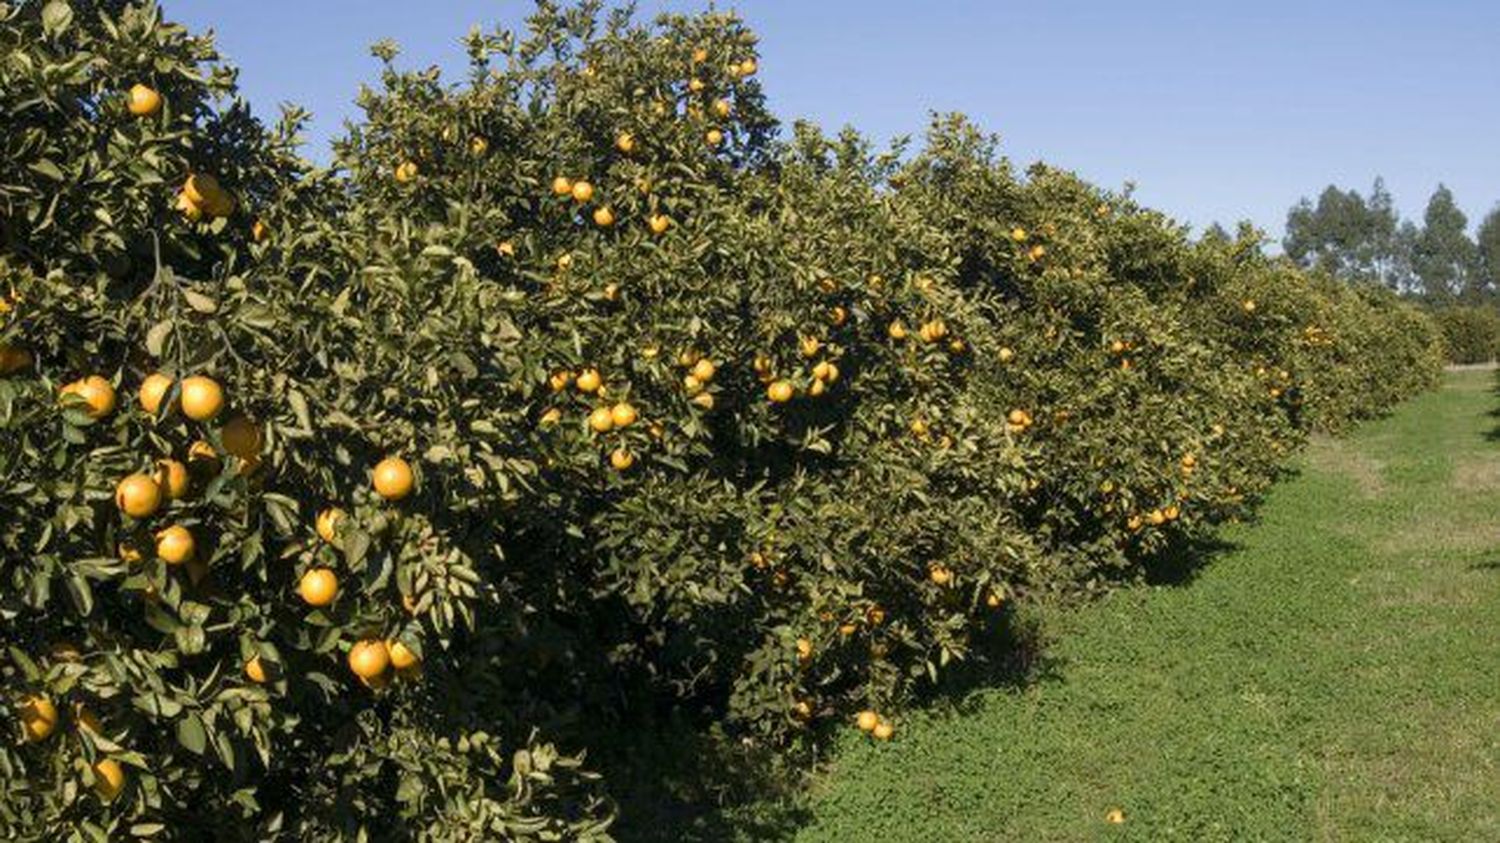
<point>604,418</point>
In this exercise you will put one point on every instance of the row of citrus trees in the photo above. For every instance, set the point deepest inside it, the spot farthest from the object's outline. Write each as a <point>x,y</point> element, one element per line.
<point>331,499</point>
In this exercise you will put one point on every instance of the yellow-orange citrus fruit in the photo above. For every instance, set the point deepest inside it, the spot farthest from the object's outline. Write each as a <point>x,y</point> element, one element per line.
<point>867,721</point>
<point>369,658</point>
<point>255,671</point>
<point>883,730</point>
<point>589,381</point>
<point>780,392</point>
<point>623,415</point>
<point>478,145</point>
<point>38,718</point>
<point>175,545</point>
<point>704,370</point>
<point>1115,816</point>
<point>601,420</point>
<point>402,656</point>
<point>714,137</point>
<point>109,779</point>
<point>659,223</point>
<point>318,587</point>
<point>625,143</point>
<point>172,479</point>
<point>562,186</point>
<point>582,191</point>
<point>98,395</point>
<point>328,524</point>
<point>154,390</point>
<point>604,217</point>
<point>551,417</point>
<point>202,398</point>
<point>393,479</point>
<point>190,209</point>
<point>241,437</point>
<point>704,400</point>
<point>260,232</point>
<point>138,496</point>
<point>722,108</point>
<point>143,101</point>
<point>896,331</point>
<point>621,459</point>
<point>406,171</point>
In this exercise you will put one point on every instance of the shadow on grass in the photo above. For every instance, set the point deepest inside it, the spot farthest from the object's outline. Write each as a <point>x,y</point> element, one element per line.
<point>676,779</point>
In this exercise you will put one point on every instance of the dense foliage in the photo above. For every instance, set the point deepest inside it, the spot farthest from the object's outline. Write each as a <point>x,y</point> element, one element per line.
<point>332,496</point>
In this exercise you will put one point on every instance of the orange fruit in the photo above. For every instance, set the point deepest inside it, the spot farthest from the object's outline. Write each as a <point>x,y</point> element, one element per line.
<point>582,191</point>
<point>623,415</point>
<point>393,478</point>
<point>659,223</point>
<point>369,658</point>
<point>601,420</point>
<point>204,192</point>
<point>190,209</point>
<point>260,232</point>
<point>38,718</point>
<point>559,381</point>
<point>625,143</point>
<point>255,670</point>
<point>138,496</point>
<point>402,656</point>
<point>97,393</point>
<point>562,186</point>
<point>704,400</point>
<point>153,391</point>
<point>780,392</point>
<point>994,600</point>
<point>704,370</point>
<point>478,145</point>
<point>175,545</point>
<point>242,438</point>
<point>551,417</point>
<point>748,67</point>
<point>621,459</point>
<point>589,381</point>
<point>722,108</point>
<point>713,137</point>
<point>109,779</point>
<point>143,101</point>
<point>604,217</point>
<point>804,649</point>
<point>883,730</point>
<point>406,171</point>
<point>1114,816</point>
<point>695,85</point>
<point>1006,355</point>
<point>867,720</point>
<point>318,587</point>
<point>919,427</point>
<point>202,398</point>
<point>172,479</point>
<point>826,371</point>
<point>328,524</point>
<point>810,346</point>
<point>896,331</point>
<point>940,575</point>
<point>1018,234</point>
<point>1248,305</point>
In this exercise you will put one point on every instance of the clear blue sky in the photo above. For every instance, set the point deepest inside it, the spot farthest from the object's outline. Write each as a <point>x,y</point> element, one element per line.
<point>1216,110</point>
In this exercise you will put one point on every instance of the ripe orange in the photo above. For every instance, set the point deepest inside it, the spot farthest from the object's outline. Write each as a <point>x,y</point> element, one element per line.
<point>589,381</point>
<point>242,438</point>
<point>369,658</point>
<point>154,390</point>
<point>704,370</point>
<point>827,372</point>
<point>604,217</point>
<point>318,587</point>
<point>994,600</point>
<point>919,427</point>
<point>704,400</point>
<point>940,575</point>
<point>659,223</point>
<point>202,398</point>
<point>260,232</point>
<point>402,656</point>
<point>695,85</point>
<point>143,101</point>
<point>138,496</point>
<point>804,649</point>
<point>328,524</point>
<point>817,388</point>
<point>896,331</point>
<point>748,67</point>
<point>562,186</point>
<point>478,145</point>
<point>172,479</point>
<point>802,710</point>
<point>109,779</point>
<point>1037,252</point>
<point>255,670</point>
<point>393,478</point>
<point>722,108</point>
<point>191,210</point>
<point>625,143</point>
<point>551,417</point>
<point>700,55</point>
<point>810,346</point>
<point>1006,355</point>
<point>1018,234</point>
<point>98,395</point>
<point>867,720</point>
<point>883,730</point>
<point>623,415</point>
<point>175,545</point>
<point>559,381</point>
<point>714,137</point>
<point>38,718</point>
<point>1248,305</point>
<point>601,420</point>
<point>406,172</point>
<point>1115,816</point>
<point>780,392</point>
<point>582,191</point>
<point>621,459</point>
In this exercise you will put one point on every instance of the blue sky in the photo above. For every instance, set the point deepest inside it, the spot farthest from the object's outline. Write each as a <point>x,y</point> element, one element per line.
<point>1215,110</point>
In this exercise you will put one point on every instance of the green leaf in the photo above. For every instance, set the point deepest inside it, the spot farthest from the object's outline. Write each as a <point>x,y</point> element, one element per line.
<point>56,17</point>
<point>191,734</point>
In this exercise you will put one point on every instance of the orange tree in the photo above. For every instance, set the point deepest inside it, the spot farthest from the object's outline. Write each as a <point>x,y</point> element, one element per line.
<point>189,646</point>
<point>573,384</point>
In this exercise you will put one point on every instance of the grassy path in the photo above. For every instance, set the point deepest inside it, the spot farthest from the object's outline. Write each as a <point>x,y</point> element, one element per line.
<point>1335,675</point>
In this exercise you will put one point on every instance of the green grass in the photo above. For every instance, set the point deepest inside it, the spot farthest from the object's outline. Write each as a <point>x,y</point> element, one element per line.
<point>1333,675</point>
